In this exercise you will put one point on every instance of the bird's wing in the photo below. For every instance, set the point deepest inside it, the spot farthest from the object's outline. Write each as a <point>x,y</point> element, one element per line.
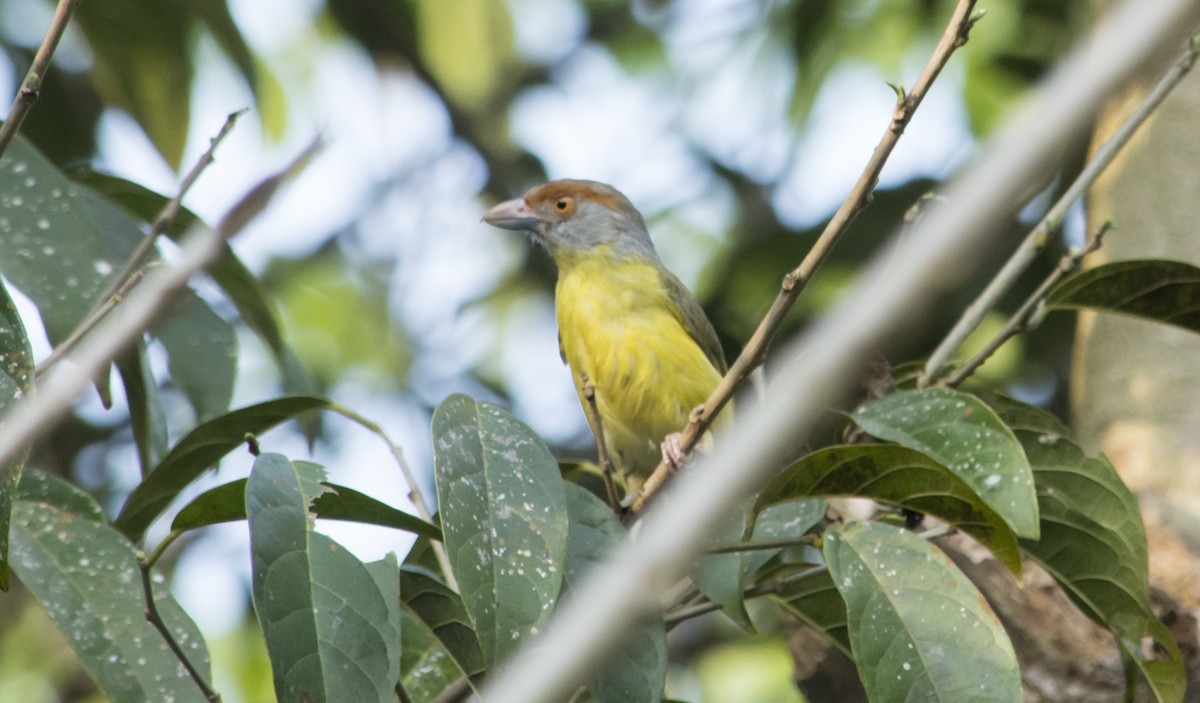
<point>692,316</point>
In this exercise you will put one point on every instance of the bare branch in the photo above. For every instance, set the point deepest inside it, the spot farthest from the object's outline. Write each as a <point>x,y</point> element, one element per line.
<point>1037,239</point>
<point>31,87</point>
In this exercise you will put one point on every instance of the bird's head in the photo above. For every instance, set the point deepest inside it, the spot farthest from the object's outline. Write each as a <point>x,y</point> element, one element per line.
<point>574,217</point>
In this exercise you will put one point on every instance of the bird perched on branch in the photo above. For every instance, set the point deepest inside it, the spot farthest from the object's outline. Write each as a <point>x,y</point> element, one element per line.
<point>626,324</point>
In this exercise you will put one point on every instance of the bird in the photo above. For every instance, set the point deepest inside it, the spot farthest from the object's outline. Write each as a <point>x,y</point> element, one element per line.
<point>627,325</point>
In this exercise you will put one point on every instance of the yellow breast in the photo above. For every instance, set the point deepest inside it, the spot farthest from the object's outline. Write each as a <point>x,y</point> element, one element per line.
<point>618,325</point>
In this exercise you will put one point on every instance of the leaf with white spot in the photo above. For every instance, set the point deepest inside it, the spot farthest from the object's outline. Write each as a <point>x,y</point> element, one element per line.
<point>87,576</point>
<point>16,374</point>
<point>504,518</point>
<point>918,627</point>
<point>963,434</point>
<point>330,631</point>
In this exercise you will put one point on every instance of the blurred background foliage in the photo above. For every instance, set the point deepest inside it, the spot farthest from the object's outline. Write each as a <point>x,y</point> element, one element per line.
<point>735,125</point>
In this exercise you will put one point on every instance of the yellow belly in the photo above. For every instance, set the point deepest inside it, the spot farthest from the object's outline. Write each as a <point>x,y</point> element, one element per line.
<point>617,325</point>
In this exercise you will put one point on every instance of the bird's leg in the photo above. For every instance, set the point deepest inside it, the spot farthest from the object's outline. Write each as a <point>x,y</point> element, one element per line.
<point>673,453</point>
<point>593,413</point>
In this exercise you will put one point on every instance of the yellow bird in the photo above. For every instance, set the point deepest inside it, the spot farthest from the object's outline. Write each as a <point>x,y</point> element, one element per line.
<point>624,320</point>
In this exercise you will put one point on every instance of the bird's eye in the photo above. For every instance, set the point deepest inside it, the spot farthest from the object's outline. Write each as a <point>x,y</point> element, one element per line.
<point>563,204</point>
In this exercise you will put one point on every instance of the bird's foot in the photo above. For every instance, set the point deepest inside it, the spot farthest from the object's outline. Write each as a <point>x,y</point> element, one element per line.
<point>672,451</point>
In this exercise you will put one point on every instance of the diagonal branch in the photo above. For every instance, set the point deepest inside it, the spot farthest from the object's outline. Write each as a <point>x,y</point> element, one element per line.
<point>1037,239</point>
<point>755,351</point>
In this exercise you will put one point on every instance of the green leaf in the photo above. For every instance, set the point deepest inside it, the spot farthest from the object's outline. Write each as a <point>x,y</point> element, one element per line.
<point>244,290</point>
<point>919,629</point>
<point>200,450</point>
<point>441,613</point>
<point>150,78</point>
<point>722,577</point>
<point>814,599</point>
<point>201,353</point>
<point>426,668</point>
<point>41,487</point>
<point>226,503</point>
<point>504,517</point>
<point>786,520</point>
<point>961,433</point>
<point>216,18</point>
<point>386,574</point>
<point>1094,545</point>
<point>901,477</point>
<point>1152,289</point>
<point>467,46</point>
<point>146,415</point>
<point>1022,416</point>
<point>637,671</point>
<point>59,242</point>
<point>329,630</point>
<point>86,574</point>
<point>16,374</point>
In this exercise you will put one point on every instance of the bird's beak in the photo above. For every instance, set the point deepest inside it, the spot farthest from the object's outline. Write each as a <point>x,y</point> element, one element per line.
<point>512,214</point>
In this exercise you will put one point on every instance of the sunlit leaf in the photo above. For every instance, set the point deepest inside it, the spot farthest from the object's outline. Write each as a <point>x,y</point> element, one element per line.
<point>226,503</point>
<point>467,46</point>
<point>901,477</point>
<point>87,576</point>
<point>637,671</point>
<point>504,517</point>
<point>329,630</point>
<point>919,629</point>
<point>963,434</point>
<point>199,451</point>
<point>1152,289</point>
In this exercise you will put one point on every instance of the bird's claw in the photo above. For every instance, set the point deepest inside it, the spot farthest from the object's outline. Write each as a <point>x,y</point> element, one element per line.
<point>672,451</point>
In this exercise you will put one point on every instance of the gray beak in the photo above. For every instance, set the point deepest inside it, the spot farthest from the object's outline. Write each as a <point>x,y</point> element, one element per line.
<point>512,214</point>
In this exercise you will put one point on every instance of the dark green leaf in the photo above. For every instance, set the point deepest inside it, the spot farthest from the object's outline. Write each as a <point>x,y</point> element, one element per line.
<point>441,613</point>
<point>963,434</point>
<point>386,574</point>
<point>814,599</point>
<point>901,477</point>
<point>201,353</point>
<point>59,241</point>
<point>722,577</point>
<point>41,487</point>
<point>200,450</point>
<point>146,415</point>
<point>329,630</point>
<point>1094,545</point>
<point>87,576</point>
<point>919,629</point>
<point>504,517</point>
<point>786,520</point>
<point>1022,416</point>
<point>1153,289</point>
<point>226,503</point>
<point>637,671</point>
<point>16,374</point>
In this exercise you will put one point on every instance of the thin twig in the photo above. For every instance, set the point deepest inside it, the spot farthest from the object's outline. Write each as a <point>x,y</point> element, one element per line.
<point>414,491</point>
<point>155,619</point>
<point>31,87</point>
<point>36,413</point>
<point>755,351</point>
<point>593,417</point>
<point>771,544</point>
<point>1037,238</point>
<point>118,286</point>
<point>1019,322</point>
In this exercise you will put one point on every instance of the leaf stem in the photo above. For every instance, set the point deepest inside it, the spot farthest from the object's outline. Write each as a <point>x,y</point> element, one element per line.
<point>755,351</point>
<point>801,540</point>
<point>1038,237</point>
<point>31,87</point>
<point>155,619</point>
